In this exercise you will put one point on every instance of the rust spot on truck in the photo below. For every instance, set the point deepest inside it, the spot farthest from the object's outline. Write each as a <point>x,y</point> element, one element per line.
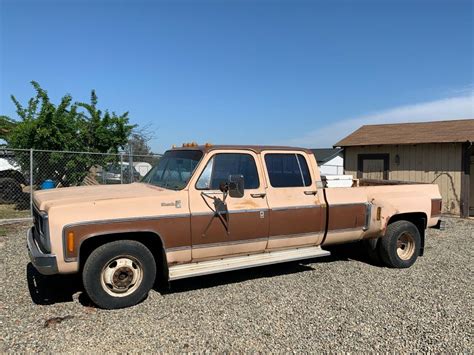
<point>246,203</point>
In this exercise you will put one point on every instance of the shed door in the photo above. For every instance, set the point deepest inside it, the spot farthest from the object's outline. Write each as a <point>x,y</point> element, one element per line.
<point>372,169</point>
<point>373,166</point>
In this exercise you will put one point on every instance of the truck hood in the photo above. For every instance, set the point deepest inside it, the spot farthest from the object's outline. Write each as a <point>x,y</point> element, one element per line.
<point>46,199</point>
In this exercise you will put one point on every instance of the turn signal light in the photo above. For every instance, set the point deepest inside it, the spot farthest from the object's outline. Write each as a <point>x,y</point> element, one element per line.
<point>70,242</point>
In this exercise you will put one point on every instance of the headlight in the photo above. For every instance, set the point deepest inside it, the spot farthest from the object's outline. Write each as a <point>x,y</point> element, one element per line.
<point>41,223</point>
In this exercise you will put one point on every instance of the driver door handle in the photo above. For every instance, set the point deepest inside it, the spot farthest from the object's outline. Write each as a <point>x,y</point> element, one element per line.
<point>260,195</point>
<point>311,192</point>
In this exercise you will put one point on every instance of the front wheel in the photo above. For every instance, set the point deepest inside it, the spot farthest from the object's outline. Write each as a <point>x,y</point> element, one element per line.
<point>119,274</point>
<point>400,246</point>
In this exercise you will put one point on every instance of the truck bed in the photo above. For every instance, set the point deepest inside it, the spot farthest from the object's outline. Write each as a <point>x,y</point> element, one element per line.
<point>375,182</point>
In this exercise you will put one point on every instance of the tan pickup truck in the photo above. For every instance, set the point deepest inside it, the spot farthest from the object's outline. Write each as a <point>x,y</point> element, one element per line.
<point>208,209</point>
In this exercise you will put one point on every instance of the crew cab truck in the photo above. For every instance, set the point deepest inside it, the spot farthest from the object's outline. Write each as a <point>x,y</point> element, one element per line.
<point>208,209</point>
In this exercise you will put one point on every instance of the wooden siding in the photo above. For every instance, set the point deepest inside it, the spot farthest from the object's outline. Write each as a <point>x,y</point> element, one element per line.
<point>430,163</point>
<point>471,189</point>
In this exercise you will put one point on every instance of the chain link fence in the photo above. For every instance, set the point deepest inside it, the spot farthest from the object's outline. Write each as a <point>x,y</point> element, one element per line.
<point>25,170</point>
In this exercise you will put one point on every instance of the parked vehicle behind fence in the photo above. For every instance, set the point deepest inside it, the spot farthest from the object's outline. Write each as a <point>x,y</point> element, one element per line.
<point>12,181</point>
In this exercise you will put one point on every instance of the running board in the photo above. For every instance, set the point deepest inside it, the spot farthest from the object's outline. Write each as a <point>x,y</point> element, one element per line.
<point>242,262</point>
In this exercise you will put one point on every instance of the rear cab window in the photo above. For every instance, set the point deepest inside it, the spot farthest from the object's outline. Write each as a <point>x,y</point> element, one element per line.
<point>287,170</point>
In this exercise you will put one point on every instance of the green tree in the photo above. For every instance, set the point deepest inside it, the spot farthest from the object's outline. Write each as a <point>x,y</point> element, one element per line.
<point>103,131</point>
<point>6,126</point>
<point>67,126</point>
<point>43,125</point>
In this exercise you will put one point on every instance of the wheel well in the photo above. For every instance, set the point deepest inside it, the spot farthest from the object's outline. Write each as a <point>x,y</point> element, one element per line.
<point>419,219</point>
<point>151,240</point>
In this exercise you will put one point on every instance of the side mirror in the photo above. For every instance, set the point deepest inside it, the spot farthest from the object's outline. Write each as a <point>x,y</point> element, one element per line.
<point>236,186</point>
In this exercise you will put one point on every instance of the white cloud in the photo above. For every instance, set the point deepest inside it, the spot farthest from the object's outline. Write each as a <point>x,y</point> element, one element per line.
<point>445,109</point>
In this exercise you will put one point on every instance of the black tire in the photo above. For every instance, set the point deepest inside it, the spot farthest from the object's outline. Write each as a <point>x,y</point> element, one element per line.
<point>106,283</point>
<point>10,190</point>
<point>400,246</point>
<point>372,248</point>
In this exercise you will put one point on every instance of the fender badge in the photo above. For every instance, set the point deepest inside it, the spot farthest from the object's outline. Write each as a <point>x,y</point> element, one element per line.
<point>176,204</point>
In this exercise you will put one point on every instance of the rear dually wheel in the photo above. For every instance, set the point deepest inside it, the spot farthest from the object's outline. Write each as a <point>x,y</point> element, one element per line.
<point>400,246</point>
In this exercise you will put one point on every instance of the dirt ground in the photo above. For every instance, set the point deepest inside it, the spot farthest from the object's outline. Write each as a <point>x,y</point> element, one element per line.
<point>340,303</point>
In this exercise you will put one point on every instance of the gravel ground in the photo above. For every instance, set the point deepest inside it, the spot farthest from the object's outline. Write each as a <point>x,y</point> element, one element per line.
<point>339,303</point>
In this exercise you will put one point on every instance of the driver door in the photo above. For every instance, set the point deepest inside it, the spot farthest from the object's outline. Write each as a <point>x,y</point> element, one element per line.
<point>244,225</point>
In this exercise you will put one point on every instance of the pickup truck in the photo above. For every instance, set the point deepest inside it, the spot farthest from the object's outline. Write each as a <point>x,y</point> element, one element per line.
<point>208,209</point>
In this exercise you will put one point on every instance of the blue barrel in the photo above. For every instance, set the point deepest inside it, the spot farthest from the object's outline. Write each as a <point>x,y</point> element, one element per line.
<point>47,184</point>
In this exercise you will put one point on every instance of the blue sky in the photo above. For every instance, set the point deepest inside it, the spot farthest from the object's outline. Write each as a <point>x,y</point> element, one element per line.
<point>256,72</point>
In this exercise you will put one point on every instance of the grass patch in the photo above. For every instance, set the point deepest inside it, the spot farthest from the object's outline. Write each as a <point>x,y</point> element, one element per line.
<point>10,229</point>
<point>9,211</point>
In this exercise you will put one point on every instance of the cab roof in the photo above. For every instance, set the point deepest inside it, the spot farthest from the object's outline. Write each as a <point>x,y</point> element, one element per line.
<point>254,148</point>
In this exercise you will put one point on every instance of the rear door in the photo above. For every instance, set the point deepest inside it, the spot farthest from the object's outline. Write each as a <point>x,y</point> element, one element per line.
<point>296,213</point>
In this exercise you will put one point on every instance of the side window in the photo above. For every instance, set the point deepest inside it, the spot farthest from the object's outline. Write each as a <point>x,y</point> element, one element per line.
<point>304,170</point>
<point>287,170</point>
<point>221,166</point>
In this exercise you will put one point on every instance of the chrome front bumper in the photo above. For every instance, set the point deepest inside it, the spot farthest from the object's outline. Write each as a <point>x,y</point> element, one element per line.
<point>46,264</point>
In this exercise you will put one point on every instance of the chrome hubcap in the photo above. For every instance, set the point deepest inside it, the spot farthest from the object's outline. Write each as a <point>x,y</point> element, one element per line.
<point>121,276</point>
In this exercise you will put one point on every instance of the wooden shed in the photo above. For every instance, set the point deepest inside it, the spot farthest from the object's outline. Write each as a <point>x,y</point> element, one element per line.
<point>438,152</point>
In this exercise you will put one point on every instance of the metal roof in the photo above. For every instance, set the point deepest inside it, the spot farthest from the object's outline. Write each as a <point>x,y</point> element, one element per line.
<point>411,133</point>
<point>325,154</point>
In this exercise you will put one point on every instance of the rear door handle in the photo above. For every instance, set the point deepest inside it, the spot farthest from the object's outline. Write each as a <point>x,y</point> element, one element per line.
<point>260,195</point>
<point>310,192</point>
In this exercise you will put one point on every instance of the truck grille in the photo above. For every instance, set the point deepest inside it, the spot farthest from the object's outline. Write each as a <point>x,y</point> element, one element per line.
<point>41,230</point>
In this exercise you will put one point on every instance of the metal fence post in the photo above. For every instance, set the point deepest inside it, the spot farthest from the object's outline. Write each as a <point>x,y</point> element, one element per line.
<point>121,167</point>
<point>31,182</point>
<point>130,164</point>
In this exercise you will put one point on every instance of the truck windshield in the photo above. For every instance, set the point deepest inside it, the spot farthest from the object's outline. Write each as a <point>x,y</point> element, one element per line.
<point>174,169</point>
